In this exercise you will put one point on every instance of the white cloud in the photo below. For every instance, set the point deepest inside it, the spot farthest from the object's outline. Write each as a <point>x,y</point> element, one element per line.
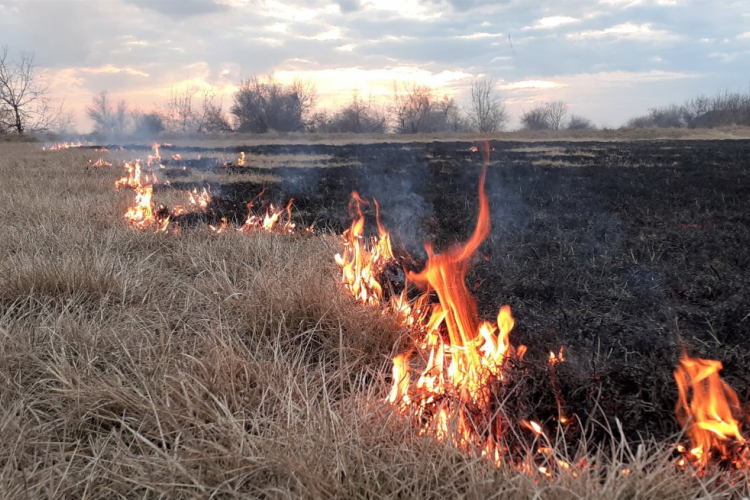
<point>475,36</point>
<point>745,35</point>
<point>553,22</point>
<point>331,34</point>
<point>531,85</point>
<point>629,31</point>
<point>633,3</point>
<point>413,9</point>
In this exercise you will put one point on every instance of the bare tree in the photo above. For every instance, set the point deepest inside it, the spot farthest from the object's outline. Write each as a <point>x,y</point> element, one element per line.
<point>108,119</point>
<point>25,104</point>
<point>260,106</point>
<point>487,112</point>
<point>416,110</point>
<point>210,117</point>
<point>178,112</point>
<point>556,111</point>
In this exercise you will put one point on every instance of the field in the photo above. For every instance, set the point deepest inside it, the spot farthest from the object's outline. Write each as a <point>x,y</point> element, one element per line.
<point>190,365</point>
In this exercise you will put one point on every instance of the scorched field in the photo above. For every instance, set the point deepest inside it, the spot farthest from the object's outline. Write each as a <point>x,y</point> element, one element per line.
<point>426,319</point>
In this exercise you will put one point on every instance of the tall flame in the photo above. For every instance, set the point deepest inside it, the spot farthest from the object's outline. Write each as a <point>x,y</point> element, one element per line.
<point>707,416</point>
<point>364,258</point>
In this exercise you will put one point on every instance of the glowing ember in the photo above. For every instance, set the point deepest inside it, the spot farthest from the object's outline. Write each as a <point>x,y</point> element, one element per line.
<point>708,416</point>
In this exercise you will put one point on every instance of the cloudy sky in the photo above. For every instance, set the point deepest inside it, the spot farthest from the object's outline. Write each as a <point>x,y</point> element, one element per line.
<point>608,59</point>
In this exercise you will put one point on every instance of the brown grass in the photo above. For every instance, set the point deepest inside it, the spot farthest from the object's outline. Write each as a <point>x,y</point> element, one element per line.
<point>202,366</point>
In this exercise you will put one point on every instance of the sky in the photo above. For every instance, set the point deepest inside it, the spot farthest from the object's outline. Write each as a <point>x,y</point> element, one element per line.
<point>609,60</point>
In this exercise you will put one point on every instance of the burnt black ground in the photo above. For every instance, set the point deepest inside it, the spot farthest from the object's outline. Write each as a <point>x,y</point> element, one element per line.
<point>620,251</point>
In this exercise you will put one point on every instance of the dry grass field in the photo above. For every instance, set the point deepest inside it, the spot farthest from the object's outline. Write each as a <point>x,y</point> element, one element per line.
<point>140,365</point>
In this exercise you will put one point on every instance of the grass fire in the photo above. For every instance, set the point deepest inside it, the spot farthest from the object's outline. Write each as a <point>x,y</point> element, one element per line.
<point>360,249</point>
<point>344,320</point>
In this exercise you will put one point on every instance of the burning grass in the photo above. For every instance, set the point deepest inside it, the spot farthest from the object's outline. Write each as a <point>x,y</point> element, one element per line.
<point>191,365</point>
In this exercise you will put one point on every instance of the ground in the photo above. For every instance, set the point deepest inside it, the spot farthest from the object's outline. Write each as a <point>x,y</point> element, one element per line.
<point>182,365</point>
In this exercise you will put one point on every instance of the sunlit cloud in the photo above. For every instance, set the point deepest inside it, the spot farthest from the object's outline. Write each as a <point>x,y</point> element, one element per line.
<point>113,70</point>
<point>332,84</point>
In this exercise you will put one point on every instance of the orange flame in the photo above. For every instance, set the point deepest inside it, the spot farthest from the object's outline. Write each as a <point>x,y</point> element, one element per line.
<point>451,399</point>
<point>363,259</point>
<point>707,416</point>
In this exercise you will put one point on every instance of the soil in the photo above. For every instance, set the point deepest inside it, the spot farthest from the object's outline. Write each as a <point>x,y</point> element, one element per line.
<point>623,252</point>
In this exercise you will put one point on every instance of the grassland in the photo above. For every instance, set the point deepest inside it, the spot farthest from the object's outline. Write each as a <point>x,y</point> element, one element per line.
<point>136,365</point>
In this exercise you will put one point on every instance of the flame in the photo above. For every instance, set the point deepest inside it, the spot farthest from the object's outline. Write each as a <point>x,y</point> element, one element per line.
<point>132,178</point>
<point>708,416</point>
<point>221,228</point>
<point>241,161</point>
<point>466,355</point>
<point>272,220</point>
<point>176,157</point>
<point>199,200</point>
<point>364,258</point>
<point>59,146</point>
<point>451,396</point>
<point>98,163</point>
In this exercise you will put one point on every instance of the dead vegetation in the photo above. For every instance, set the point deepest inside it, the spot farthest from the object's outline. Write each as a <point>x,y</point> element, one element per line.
<point>203,366</point>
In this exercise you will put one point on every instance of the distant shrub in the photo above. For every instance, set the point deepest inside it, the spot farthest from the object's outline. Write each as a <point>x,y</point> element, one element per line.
<point>545,116</point>
<point>577,122</point>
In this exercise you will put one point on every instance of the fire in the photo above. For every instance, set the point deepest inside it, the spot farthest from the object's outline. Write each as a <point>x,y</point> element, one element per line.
<point>453,394</point>
<point>709,415</point>
<point>241,161</point>
<point>200,199</point>
<point>59,146</point>
<point>364,258</point>
<point>221,228</point>
<point>133,177</point>
<point>98,163</point>
<point>271,221</point>
<point>154,158</point>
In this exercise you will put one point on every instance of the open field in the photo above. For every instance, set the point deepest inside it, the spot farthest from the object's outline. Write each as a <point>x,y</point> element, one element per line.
<point>194,365</point>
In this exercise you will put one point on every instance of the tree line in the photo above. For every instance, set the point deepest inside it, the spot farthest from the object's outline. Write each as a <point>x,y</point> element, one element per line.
<point>264,105</point>
<point>723,109</point>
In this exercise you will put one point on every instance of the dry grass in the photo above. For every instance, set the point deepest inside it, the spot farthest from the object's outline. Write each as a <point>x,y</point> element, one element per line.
<point>202,366</point>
